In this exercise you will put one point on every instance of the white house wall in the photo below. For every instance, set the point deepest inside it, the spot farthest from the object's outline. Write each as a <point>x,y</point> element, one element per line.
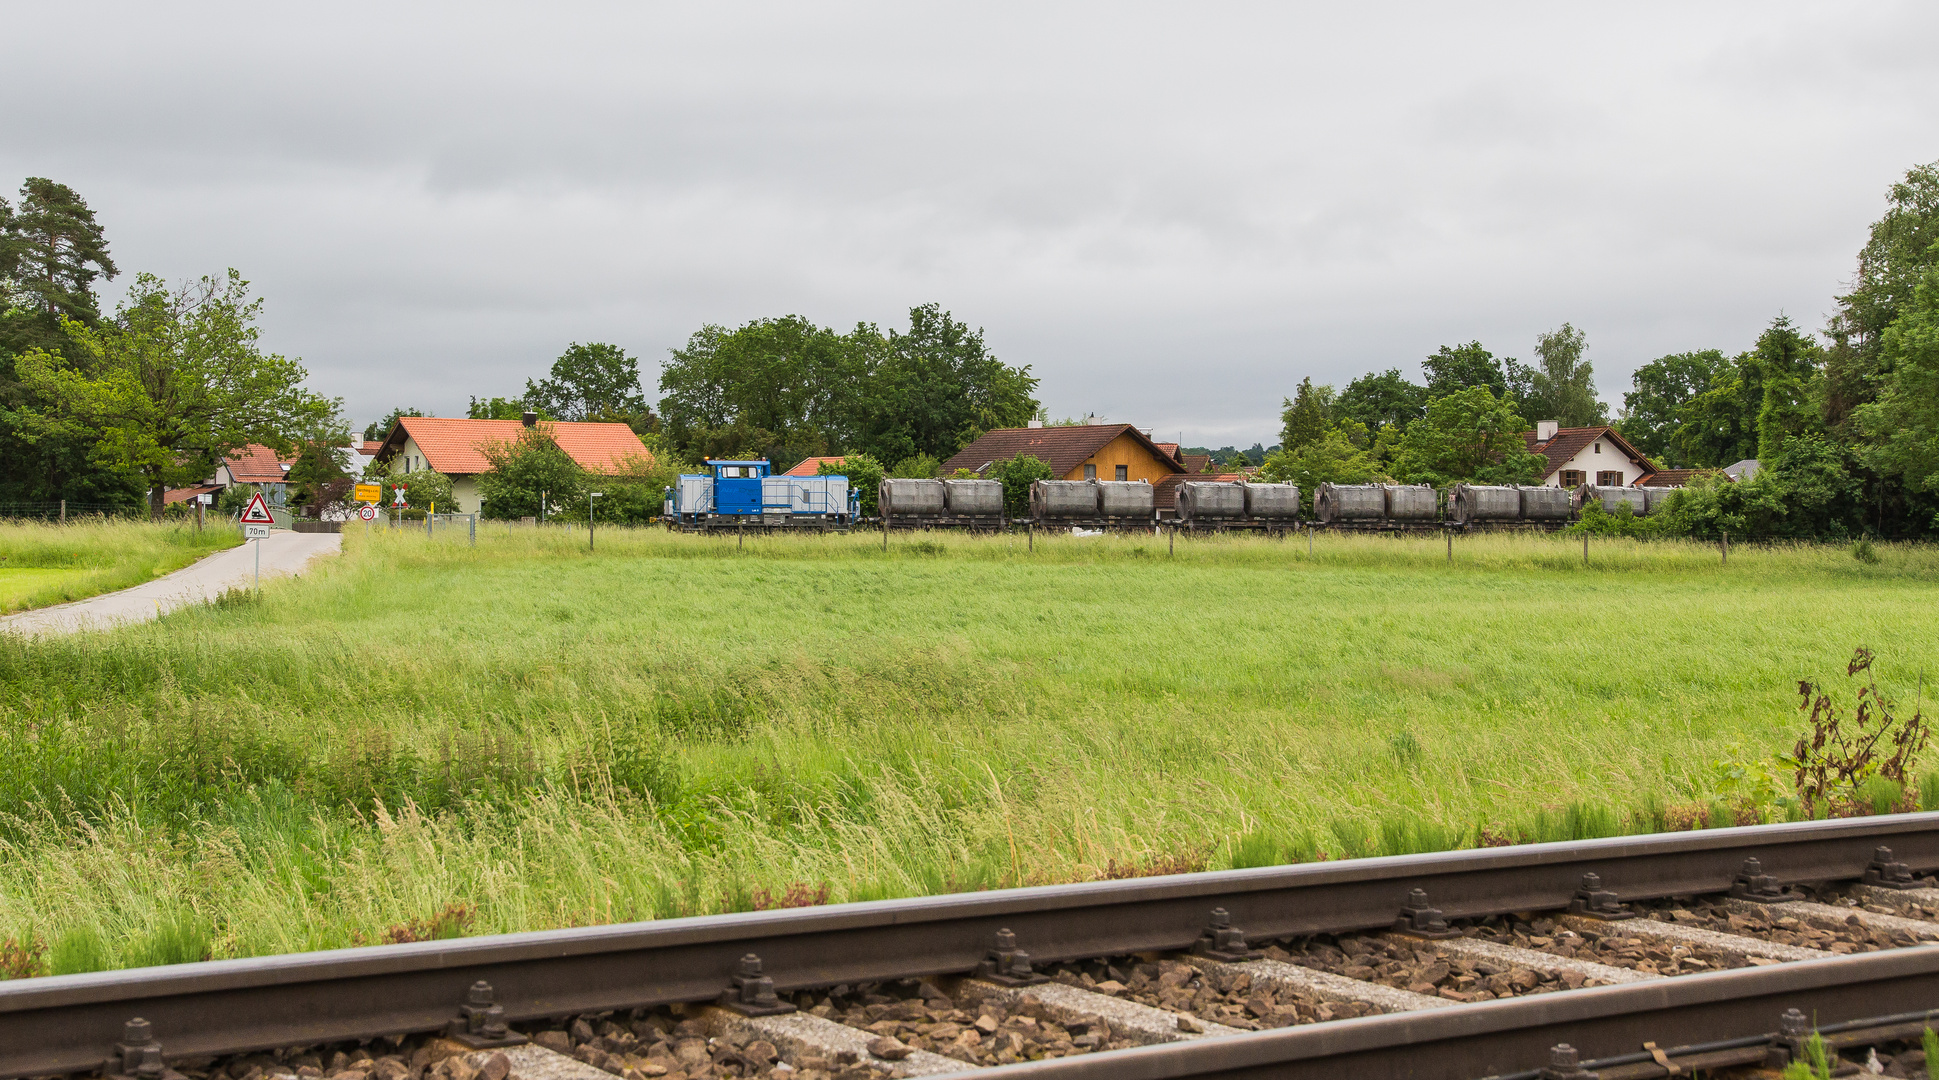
<point>1590,463</point>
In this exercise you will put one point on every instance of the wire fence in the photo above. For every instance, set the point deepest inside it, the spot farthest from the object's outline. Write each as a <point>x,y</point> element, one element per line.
<point>62,510</point>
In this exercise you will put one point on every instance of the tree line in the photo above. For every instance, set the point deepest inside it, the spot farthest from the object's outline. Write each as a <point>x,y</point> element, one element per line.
<point>112,409</point>
<point>1844,423</point>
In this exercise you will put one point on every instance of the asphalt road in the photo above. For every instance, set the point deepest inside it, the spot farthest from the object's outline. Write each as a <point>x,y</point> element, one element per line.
<point>283,553</point>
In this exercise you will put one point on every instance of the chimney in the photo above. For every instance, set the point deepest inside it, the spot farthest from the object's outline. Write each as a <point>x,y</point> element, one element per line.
<point>1035,423</point>
<point>1545,430</point>
<point>531,419</point>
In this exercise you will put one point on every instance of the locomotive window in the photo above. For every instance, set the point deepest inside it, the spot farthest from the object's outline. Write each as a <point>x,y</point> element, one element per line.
<point>1122,471</point>
<point>1090,472</point>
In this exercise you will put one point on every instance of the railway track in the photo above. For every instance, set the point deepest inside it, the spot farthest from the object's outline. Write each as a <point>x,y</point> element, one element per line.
<point>1647,956</point>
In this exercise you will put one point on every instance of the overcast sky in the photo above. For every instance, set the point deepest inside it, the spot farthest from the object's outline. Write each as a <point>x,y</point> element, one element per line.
<point>1171,213</point>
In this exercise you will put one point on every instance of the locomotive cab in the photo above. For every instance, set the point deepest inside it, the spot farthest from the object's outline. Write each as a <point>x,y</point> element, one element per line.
<point>737,486</point>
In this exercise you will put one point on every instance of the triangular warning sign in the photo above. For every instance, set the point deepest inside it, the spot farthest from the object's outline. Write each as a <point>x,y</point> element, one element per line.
<point>258,512</point>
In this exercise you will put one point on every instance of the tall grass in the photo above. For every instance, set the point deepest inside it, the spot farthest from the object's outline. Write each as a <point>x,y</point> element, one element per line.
<point>96,555</point>
<point>684,724</point>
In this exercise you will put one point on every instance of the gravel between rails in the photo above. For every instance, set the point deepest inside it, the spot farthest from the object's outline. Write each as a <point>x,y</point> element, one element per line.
<point>920,1015</point>
<point>1612,948</point>
<point>1233,999</point>
<point>1715,913</point>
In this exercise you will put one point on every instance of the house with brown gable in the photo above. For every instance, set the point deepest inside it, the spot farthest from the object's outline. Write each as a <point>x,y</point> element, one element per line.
<point>1588,455</point>
<point>456,447</point>
<point>1085,452</point>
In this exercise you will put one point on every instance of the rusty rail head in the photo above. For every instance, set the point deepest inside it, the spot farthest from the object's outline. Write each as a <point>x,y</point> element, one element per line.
<point>72,1023</point>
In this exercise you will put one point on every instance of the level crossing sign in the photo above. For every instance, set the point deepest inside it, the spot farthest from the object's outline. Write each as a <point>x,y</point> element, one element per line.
<point>257,512</point>
<point>399,500</point>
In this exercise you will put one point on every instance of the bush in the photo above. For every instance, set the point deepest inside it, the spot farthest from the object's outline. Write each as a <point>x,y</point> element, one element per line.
<point>919,467</point>
<point>1017,474</point>
<point>864,477</point>
<point>1599,522</point>
<point>633,495</point>
<point>423,489</point>
<point>525,469</point>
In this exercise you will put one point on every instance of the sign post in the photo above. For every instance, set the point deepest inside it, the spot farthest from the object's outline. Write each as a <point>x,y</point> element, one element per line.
<point>256,520</point>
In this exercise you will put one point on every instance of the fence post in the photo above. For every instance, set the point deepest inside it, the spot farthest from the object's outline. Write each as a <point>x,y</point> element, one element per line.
<point>1030,535</point>
<point>1171,545</point>
<point>1585,549</point>
<point>474,530</point>
<point>1726,547</point>
<point>1450,534</point>
<point>63,511</point>
<point>1309,540</point>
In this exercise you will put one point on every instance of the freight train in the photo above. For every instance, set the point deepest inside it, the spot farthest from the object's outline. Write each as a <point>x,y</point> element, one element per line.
<point>739,493</point>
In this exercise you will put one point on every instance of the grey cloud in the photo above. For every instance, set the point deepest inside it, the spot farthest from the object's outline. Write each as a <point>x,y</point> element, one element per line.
<point>1171,213</point>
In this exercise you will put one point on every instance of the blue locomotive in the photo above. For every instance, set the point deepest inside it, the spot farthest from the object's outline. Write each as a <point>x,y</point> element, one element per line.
<point>743,492</point>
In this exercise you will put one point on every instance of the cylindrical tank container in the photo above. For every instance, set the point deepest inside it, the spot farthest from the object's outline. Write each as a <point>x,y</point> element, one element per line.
<point>1272,502</point>
<point>1349,502</point>
<point>1612,497</point>
<point>1546,504</point>
<point>1657,496</point>
<point>910,498</point>
<point>1470,503</point>
<point>1213,500</point>
<point>973,498</point>
<point>1051,500</point>
<point>1412,502</point>
<point>1126,499</point>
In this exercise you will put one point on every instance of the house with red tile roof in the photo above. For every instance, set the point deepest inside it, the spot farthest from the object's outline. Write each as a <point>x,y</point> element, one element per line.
<point>258,467</point>
<point>1590,455</point>
<point>456,447</point>
<point>812,466</point>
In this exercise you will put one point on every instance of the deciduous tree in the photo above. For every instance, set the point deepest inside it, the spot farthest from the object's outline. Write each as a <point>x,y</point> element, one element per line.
<point>1562,384</point>
<point>1471,435</point>
<point>1654,409</point>
<point>175,381</point>
<point>596,381</point>
<point>1382,400</point>
<point>1307,416</point>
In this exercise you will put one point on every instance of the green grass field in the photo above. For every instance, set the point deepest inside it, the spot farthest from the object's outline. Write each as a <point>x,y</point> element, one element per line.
<point>42,565</point>
<point>424,737</point>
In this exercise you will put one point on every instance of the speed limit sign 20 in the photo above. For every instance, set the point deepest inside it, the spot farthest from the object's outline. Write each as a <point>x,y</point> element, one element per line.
<point>368,513</point>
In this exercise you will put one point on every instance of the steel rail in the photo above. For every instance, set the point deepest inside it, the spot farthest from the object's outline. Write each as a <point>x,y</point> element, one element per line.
<point>70,1023</point>
<point>1493,1038</point>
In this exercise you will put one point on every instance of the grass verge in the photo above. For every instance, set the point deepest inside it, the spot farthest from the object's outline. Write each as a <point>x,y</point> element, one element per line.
<point>42,565</point>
